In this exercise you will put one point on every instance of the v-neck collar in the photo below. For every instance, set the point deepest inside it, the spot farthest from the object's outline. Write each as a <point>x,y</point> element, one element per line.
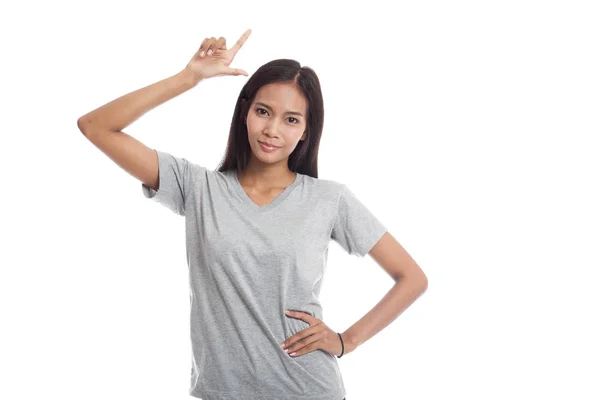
<point>244,198</point>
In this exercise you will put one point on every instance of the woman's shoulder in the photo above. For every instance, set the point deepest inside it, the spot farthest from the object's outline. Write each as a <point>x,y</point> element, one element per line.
<point>323,185</point>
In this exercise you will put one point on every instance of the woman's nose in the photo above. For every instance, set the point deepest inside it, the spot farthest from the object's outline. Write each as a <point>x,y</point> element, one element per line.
<point>270,128</point>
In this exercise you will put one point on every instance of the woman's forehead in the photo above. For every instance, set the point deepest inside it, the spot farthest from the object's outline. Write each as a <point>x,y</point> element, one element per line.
<point>281,97</point>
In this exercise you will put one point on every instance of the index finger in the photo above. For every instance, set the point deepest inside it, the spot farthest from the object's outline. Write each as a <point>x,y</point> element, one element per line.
<point>236,47</point>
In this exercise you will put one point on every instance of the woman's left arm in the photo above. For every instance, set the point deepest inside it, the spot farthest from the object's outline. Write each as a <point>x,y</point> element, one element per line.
<point>411,283</point>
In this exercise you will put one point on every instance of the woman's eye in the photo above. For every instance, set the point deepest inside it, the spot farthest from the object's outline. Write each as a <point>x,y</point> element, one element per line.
<point>258,110</point>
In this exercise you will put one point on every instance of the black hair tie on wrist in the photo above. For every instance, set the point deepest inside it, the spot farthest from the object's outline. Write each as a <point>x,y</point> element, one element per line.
<point>340,356</point>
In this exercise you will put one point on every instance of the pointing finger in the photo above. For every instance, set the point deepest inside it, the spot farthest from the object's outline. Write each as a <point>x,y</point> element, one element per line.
<point>236,47</point>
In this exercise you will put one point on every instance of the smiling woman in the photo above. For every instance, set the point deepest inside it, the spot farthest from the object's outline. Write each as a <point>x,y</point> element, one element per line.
<point>258,229</point>
<point>275,127</point>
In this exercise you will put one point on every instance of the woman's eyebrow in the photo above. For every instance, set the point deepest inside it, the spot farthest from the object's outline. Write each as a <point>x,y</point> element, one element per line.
<point>269,107</point>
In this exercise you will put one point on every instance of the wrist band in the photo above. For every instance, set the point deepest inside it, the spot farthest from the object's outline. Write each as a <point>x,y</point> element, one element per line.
<point>340,356</point>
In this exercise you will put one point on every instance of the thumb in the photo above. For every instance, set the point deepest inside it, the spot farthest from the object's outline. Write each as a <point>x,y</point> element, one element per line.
<point>235,71</point>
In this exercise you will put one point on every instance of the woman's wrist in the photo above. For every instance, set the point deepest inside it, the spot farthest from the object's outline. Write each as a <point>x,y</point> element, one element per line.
<point>190,77</point>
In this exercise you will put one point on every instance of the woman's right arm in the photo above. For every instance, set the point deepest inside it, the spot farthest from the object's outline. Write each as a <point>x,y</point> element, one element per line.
<point>103,126</point>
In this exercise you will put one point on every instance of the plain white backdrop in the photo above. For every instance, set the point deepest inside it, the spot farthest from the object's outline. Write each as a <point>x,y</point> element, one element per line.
<point>469,128</point>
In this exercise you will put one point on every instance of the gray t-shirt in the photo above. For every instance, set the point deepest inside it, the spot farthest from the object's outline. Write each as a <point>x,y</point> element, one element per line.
<point>247,265</point>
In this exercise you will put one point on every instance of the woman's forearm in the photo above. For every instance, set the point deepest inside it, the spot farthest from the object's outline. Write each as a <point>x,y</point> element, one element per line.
<point>123,111</point>
<point>399,298</point>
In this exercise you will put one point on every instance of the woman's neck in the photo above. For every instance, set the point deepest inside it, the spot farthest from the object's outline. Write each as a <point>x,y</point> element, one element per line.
<point>265,179</point>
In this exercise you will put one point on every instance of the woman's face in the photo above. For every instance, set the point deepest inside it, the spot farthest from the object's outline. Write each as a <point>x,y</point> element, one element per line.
<point>277,116</point>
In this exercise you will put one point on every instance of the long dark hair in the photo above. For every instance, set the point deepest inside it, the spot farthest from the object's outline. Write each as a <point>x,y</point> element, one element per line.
<point>304,158</point>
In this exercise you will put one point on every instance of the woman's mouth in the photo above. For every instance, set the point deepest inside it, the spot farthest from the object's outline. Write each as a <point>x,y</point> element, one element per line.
<point>267,148</point>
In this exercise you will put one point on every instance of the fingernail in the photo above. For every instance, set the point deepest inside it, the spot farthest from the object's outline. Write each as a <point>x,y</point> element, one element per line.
<point>209,52</point>
<point>281,345</point>
<point>201,53</point>
<point>291,354</point>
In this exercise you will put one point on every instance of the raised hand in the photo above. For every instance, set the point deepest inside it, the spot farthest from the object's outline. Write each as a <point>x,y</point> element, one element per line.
<point>213,58</point>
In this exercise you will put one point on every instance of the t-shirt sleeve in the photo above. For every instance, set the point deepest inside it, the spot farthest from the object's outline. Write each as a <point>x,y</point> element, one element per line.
<point>174,181</point>
<point>356,228</point>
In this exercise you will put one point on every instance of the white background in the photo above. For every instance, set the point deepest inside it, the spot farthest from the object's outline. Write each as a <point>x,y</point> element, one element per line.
<point>469,128</point>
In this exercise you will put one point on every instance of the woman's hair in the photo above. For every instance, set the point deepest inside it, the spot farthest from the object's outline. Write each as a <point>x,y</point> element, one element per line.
<point>304,158</point>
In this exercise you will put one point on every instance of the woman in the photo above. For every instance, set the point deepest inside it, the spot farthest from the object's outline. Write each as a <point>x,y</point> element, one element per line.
<point>257,231</point>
